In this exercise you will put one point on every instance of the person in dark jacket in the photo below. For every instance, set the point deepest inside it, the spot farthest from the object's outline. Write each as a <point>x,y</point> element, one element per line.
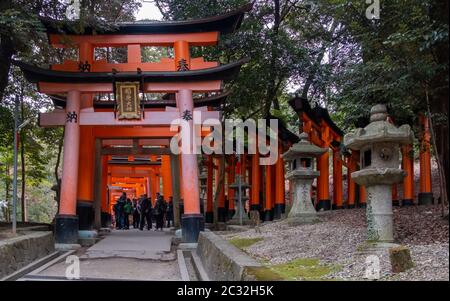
<point>127,209</point>
<point>120,210</point>
<point>146,212</point>
<point>169,212</point>
<point>136,215</point>
<point>160,210</point>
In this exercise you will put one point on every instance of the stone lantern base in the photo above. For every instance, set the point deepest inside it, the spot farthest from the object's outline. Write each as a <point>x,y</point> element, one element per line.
<point>302,210</point>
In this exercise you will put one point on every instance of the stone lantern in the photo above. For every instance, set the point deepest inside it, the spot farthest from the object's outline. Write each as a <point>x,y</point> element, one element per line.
<point>239,204</point>
<point>379,147</point>
<point>301,157</point>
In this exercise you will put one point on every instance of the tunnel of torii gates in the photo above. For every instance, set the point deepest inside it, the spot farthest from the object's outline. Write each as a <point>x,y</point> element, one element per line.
<point>116,137</point>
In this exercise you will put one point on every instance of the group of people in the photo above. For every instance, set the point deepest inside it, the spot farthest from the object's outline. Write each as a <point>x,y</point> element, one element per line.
<point>142,212</point>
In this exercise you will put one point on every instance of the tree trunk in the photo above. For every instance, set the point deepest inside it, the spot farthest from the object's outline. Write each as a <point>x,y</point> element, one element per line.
<point>22,163</point>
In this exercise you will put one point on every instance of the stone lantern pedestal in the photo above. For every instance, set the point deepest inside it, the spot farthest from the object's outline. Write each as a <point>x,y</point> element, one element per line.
<point>301,157</point>
<point>379,146</point>
<point>239,205</point>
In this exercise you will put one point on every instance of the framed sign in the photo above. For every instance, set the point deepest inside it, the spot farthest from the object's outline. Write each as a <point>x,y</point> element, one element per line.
<point>127,97</point>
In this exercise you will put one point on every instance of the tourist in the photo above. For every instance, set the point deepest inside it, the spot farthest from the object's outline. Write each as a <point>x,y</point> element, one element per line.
<point>160,210</point>
<point>136,214</point>
<point>146,212</point>
<point>127,209</point>
<point>120,210</point>
<point>169,212</point>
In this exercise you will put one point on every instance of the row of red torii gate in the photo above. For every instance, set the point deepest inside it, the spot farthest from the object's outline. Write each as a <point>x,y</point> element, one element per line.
<point>115,144</point>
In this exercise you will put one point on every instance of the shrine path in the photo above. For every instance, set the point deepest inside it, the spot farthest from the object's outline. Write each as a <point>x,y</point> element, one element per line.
<point>126,255</point>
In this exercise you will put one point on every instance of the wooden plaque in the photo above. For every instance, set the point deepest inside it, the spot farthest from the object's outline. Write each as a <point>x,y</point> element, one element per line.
<point>127,97</point>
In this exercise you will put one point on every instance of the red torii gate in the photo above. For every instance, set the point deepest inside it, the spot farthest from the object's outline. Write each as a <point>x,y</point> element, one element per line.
<point>88,120</point>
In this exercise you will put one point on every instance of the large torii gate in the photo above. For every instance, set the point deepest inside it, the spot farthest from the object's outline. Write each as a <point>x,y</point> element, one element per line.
<point>77,85</point>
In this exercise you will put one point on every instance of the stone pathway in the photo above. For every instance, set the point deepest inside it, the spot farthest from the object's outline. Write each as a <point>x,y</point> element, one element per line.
<point>125,255</point>
<point>133,243</point>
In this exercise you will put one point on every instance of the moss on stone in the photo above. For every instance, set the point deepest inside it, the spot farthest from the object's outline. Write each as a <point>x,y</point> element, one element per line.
<point>304,269</point>
<point>242,243</point>
<point>261,274</point>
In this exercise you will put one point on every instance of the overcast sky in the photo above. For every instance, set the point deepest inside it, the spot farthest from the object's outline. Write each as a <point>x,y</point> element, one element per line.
<point>148,11</point>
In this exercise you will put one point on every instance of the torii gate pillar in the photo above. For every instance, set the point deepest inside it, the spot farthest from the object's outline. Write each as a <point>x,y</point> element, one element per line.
<point>192,221</point>
<point>66,227</point>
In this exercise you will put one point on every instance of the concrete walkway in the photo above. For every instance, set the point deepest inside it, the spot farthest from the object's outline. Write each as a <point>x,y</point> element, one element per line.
<point>146,244</point>
<point>125,255</point>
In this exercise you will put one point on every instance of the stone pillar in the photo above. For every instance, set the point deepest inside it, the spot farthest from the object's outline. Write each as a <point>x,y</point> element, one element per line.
<point>192,222</point>
<point>379,213</point>
<point>425,195</point>
<point>302,210</point>
<point>66,227</point>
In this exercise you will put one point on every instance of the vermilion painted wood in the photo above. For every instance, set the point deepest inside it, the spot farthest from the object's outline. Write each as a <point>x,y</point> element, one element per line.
<point>165,40</point>
<point>196,87</point>
<point>425,155</point>
<point>69,180</point>
<point>107,119</point>
<point>166,64</point>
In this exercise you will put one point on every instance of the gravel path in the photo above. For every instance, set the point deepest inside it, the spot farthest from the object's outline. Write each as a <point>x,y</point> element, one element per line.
<point>338,238</point>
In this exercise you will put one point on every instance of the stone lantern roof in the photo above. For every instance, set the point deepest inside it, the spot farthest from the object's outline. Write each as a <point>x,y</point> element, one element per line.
<point>303,148</point>
<point>379,130</point>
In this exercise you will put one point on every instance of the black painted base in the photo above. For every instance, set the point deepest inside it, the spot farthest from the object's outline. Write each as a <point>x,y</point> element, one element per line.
<point>352,206</point>
<point>395,203</point>
<point>222,214</point>
<point>191,225</point>
<point>323,204</point>
<point>408,202</point>
<point>106,220</point>
<point>66,229</point>
<point>268,215</point>
<point>336,207</point>
<point>363,205</point>
<point>278,210</point>
<point>85,212</point>
<point>425,198</point>
<point>209,217</point>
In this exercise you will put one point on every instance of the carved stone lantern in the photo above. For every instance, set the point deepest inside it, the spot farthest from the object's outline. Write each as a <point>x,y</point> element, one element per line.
<point>379,147</point>
<point>239,203</point>
<point>301,157</point>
